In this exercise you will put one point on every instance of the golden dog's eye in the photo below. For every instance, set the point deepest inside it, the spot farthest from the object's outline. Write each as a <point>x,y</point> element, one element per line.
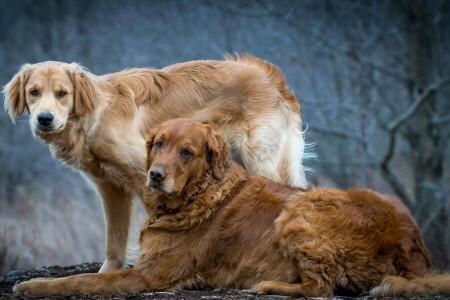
<point>159,145</point>
<point>61,94</point>
<point>34,92</point>
<point>186,153</point>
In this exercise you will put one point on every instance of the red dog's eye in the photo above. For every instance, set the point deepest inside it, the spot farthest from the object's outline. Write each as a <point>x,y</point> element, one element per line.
<point>159,145</point>
<point>186,153</point>
<point>34,93</point>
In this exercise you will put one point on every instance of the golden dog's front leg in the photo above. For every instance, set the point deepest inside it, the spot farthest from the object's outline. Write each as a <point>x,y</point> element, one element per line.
<point>119,282</point>
<point>117,206</point>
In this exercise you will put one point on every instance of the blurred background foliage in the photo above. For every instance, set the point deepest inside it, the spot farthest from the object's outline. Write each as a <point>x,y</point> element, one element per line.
<point>372,78</point>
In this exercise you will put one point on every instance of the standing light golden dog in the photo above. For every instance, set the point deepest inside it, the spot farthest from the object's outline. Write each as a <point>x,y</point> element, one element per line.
<point>98,124</point>
<point>214,225</point>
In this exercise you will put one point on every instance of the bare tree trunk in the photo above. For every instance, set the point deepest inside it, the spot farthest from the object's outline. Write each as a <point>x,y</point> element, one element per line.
<point>427,140</point>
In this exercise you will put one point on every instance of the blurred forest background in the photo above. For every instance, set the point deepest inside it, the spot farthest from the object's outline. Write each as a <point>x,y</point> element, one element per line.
<point>373,79</point>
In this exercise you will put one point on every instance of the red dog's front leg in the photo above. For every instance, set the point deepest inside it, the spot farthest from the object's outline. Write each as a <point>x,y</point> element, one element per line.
<point>127,281</point>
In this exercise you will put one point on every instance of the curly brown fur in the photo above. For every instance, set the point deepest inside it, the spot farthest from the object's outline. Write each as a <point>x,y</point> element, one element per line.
<point>236,230</point>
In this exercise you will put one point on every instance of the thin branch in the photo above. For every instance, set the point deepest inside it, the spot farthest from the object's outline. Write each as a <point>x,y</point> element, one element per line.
<point>321,38</point>
<point>237,12</point>
<point>351,108</point>
<point>438,205</point>
<point>353,55</point>
<point>426,225</point>
<point>440,120</point>
<point>419,100</point>
<point>351,163</point>
<point>337,132</point>
<point>396,185</point>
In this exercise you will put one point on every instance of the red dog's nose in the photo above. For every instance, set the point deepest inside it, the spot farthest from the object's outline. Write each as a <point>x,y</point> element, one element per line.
<point>157,174</point>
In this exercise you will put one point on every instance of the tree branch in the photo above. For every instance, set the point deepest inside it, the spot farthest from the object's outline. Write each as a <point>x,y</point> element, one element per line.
<point>350,53</point>
<point>419,100</point>
<point>397,186</point>
<point>338,133</point>
<point>440,120</point>
<point>352,163</point>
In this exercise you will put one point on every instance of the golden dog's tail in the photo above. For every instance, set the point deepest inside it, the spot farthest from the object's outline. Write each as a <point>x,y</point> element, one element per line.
<point>273,72</point>
<point>295,152</point>
<point>430,285</point>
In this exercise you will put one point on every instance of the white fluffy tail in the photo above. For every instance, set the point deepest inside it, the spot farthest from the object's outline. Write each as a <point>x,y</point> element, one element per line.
<point>295,153</point>
<point>309,153</point>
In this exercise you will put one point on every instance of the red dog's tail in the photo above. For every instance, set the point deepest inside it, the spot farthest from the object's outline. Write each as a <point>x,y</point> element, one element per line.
<point>430,285</point>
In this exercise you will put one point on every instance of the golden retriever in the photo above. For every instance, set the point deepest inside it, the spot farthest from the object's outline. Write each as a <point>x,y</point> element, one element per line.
<point>98,124</point>
<point>213,225</point>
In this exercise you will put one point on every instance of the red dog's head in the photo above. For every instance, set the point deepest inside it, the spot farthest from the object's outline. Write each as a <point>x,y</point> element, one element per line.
<point>182,152</point>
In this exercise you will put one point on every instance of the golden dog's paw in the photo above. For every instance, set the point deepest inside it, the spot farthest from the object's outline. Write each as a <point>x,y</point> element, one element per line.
<point>264,287</point>
<point>33,287</point>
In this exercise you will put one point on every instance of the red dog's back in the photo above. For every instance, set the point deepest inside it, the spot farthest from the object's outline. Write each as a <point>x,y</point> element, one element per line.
<point>351,240</point>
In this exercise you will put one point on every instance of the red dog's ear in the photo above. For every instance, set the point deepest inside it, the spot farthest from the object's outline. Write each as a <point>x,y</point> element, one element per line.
<point>15,93</point>
<point>85,91</point>
<point>218,151</point>
<point>149,145</point>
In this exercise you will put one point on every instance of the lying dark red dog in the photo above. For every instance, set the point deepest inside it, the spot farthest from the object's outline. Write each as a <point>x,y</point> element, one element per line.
<point>213,225</point>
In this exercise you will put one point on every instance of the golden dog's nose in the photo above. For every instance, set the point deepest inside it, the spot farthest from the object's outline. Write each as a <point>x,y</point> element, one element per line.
<point>45,118</point>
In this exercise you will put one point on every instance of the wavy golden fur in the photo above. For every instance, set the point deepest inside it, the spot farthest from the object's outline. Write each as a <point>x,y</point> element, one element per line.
<point>99,123</point>
<point>226,228</point>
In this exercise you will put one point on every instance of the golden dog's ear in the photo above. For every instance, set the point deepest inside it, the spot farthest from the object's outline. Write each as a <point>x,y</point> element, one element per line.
<point>85,91</point>
<point>149,145</point>
<point>218,151</point>
<point>14,91</point>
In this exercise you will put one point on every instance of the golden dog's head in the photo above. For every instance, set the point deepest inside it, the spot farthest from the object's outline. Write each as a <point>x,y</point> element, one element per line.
<point>51,92</point>
<point>181,152</point>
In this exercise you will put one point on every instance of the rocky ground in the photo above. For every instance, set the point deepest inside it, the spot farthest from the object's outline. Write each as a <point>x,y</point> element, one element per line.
<point>7,282</point>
